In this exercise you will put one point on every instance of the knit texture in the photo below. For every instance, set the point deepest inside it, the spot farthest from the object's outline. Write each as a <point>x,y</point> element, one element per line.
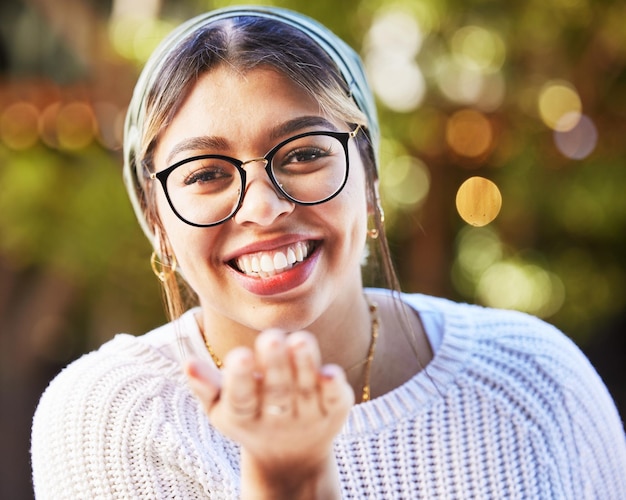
<point>508,408</point>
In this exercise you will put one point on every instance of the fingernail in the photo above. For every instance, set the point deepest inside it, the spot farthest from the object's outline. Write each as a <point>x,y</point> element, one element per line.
<point>240,358</point>
<point>300,345</point>
<point>272,338</point>
<point>196,370</point>
<point>329,372</point>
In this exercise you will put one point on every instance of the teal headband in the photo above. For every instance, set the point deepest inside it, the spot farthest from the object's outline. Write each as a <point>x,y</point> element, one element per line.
<point>344,57</point>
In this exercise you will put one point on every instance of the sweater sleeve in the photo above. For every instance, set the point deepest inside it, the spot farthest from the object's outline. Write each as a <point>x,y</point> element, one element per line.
<point>592,434</point>
<point>598,430</point>
<point>121,423</point>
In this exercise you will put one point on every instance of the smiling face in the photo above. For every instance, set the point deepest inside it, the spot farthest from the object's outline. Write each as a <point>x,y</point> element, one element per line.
<point>274,264</point>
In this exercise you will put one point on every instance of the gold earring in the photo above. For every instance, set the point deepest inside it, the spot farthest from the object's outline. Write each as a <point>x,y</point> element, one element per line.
<point>374,233</point>
<point>161,270</point>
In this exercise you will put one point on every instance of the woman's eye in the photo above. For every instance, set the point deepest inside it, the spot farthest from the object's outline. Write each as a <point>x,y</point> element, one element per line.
<point>305,154</point>
<point>206,175</point>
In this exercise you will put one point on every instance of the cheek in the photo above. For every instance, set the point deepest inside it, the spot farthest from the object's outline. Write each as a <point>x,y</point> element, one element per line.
<point>168,219</point>
<point>355,195</point>
<point>349,215</point>
<point>183,239</point>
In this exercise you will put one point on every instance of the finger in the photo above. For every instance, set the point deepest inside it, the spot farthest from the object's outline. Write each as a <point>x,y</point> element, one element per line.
<point>240,396</point>
<point>305,358</point>
<point>205,382</point>
<point>277,384</point>
<point>336,395</point>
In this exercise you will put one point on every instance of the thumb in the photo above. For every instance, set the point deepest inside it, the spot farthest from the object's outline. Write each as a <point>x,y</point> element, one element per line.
<point>205,382</point>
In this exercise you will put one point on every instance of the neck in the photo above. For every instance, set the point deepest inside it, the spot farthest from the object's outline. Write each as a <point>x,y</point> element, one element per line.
<point>343,331</point>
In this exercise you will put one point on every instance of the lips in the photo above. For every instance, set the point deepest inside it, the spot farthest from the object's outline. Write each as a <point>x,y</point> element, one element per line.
<point>278,273</point>
<point>270,263</point>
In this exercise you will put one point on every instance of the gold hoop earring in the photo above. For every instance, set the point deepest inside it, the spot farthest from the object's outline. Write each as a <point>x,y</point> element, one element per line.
<point>161,270</point>
<point>374,233</point>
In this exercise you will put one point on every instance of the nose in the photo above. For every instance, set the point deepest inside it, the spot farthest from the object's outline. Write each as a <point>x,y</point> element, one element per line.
<point>261,204</point>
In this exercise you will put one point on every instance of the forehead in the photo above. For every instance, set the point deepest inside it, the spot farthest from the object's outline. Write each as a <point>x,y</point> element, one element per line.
<point>226,94</point>
<point>237,106</point>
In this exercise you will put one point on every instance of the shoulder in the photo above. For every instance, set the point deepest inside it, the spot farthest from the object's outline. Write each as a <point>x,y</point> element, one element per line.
<point>483,330</point>
<point>103,387</point>
<point>155,354</point>
<point>123,357</point>
<point>122,366</point>
<point>101,410</point>
<point>521,358</point>
<point>513,386</point>
<point>498,328</point>
<point>536,374</point>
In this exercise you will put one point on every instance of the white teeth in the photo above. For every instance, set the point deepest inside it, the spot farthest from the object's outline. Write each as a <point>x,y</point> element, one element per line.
<point>299,253</point>
<point>291,256</point>
<point>255,266</point>
<point>245,264</point>
<point>269,263</point>
<point>280,261</point>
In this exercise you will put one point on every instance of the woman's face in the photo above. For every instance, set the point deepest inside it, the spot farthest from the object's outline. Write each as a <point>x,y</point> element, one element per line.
<point>243,116</point>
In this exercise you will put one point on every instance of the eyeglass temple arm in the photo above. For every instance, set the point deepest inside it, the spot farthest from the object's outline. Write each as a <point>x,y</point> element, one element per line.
<point>355,131</point>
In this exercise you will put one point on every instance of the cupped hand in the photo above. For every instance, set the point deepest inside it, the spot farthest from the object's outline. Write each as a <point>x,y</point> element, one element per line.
<point>279,403</point>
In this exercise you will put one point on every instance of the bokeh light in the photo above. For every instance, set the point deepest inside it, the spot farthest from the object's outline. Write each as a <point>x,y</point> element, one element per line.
<point>122,32</point>
<point>469,86</point>
<point>147,37</point>
<point>110,125</point>
<point>18,126</point>
<point>523,286</point>
<point>478,201</point>
<point>469,133</point>
<point>405,182</point>
<point>48,125</point>
<point>478,48</point>
<point>477,249</point>
<point>482,269</point>
<point>471,73</point>
<point>579,141</point>
<point>560,106</point>
<point>136,37</point>
<point>392,43</point>
<point>76,125</point>
<point>396,29</point>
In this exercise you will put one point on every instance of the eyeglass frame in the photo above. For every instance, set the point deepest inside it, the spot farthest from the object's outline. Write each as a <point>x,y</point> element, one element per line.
<point>342,137</point>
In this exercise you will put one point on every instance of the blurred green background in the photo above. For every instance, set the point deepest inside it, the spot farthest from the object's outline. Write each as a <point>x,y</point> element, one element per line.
<point>529,95</point>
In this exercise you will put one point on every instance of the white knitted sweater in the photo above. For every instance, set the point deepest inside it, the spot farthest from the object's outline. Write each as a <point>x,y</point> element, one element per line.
<point>508,408</point>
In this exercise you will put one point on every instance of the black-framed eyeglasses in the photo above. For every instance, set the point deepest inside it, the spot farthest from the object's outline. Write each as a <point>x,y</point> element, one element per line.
<point>308,169</point>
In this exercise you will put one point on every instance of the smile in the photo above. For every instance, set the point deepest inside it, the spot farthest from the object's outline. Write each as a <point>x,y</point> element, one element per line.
<point>268,264</point>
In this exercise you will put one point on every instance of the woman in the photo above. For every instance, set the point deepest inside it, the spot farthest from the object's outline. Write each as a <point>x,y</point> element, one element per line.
<point>250,158</point>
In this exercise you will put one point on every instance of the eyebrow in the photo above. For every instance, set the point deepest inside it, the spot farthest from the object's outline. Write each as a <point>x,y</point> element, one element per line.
<point>215,142</point>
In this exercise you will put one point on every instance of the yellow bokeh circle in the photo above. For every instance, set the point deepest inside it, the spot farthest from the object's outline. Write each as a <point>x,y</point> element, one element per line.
<point>478,201</point>
<point>560,106</point>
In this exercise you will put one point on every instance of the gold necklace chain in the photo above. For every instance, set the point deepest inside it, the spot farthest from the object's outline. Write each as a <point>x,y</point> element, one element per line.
<point>366,391</point>
<point>216,360</point>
